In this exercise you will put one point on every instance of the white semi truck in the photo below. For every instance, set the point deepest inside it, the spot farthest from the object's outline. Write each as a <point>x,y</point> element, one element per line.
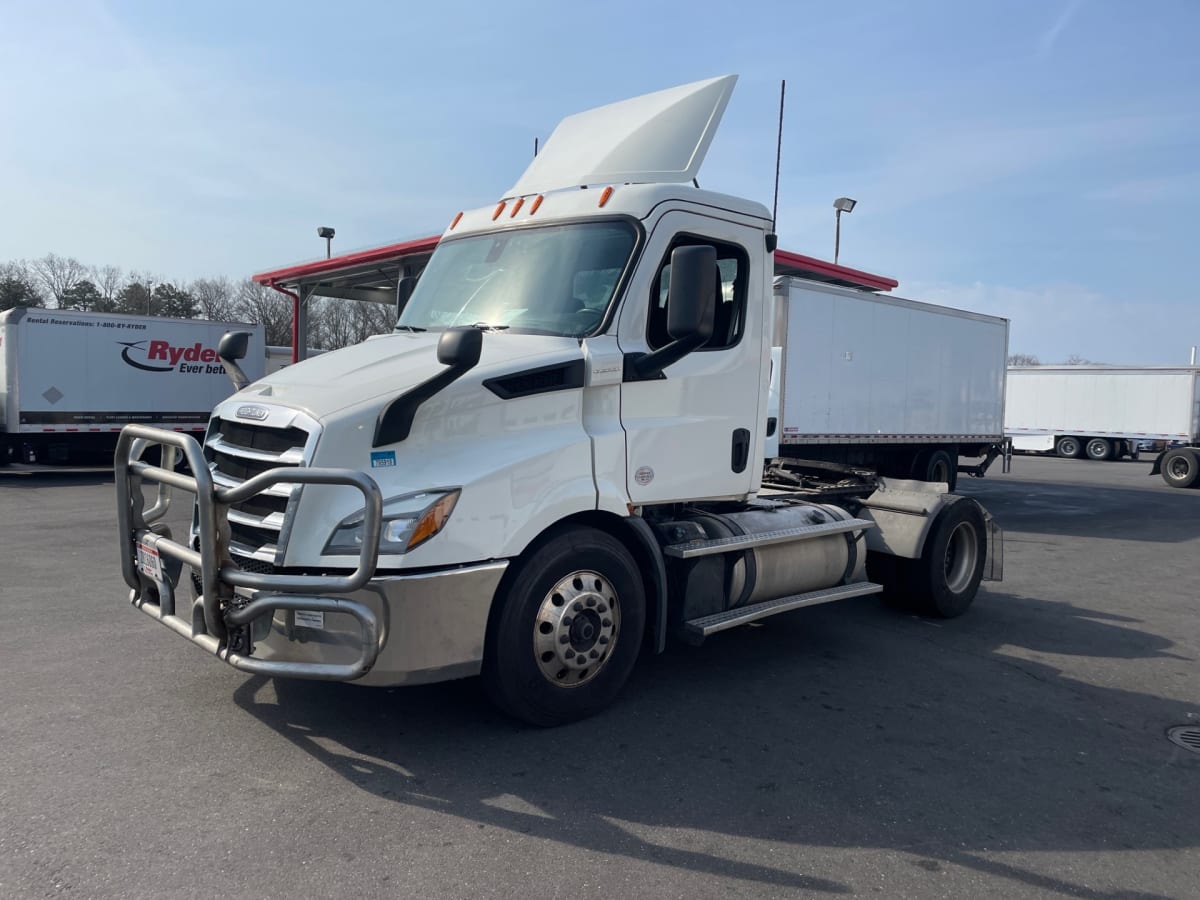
<point>70,380</point>
<point>1105,412</point>
<point>555,460</point>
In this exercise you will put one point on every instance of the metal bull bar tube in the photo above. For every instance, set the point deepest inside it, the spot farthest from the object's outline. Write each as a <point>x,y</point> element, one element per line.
<point>209,627</point>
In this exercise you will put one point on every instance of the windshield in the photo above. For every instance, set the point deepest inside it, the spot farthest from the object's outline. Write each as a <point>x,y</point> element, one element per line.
<point>554,280</point>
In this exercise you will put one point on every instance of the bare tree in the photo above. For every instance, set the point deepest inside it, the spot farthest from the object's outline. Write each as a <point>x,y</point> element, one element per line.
<point>1076,360</point>
<point>332,323</point>
<point>108,280</point>
<point>214,298</point>
<point>259,303</point>
<point>58,274</point>
<point>1023,359</point>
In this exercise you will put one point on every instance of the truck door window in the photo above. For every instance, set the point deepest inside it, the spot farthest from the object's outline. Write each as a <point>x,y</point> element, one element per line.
<point>733,264</point>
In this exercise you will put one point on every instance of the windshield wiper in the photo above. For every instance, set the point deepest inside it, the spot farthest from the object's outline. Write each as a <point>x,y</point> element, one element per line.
<point>413,328</point>
<point>484,326</point>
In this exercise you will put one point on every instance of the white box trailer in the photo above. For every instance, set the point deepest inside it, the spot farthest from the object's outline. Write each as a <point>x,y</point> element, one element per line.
<point>898,386</point>
<point>1105,412</point>
<point>70,380</point>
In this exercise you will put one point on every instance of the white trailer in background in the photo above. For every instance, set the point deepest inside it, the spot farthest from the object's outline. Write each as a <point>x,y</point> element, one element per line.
<point>70,380</point>
<point>893,385</point>
<point>1104,412</point>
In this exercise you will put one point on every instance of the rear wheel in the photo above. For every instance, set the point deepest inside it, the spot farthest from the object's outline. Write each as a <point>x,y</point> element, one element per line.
<point>938,466</point>
<point>943,582</point>
<point>1099,449</point>
<point>568,629</point>
<point>1181,467</point>
<point>1069,447</point>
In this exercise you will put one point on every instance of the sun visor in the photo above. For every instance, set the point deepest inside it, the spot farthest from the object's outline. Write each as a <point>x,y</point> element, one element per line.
<point>655,138</point>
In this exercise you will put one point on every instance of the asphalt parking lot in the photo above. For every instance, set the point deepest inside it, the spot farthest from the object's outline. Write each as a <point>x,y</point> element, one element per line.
<point>848,749</point>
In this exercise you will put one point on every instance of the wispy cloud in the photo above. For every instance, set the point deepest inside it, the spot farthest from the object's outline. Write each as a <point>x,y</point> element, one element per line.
<point>1165,188</point>
<point>1050,36</point>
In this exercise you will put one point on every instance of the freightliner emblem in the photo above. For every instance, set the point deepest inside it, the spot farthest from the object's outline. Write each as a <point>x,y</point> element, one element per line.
<point>251,412</point>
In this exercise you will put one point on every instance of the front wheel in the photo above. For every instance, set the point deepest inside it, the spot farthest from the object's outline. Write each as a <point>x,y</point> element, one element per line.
<point>568,629</point>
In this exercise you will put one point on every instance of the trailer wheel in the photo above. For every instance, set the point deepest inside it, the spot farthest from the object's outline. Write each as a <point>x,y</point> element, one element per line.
<point>1069,447</point>
<point>568,629</point>
<point>1181,467</point>
<point>1099,449</point>
<point>945,579</point>
<point>938,466</point>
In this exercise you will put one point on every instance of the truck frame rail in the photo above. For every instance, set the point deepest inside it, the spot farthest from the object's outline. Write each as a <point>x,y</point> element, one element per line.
<point>220,618</point>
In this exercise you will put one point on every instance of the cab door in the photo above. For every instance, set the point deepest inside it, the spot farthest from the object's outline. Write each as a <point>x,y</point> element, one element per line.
<point>694,433</point>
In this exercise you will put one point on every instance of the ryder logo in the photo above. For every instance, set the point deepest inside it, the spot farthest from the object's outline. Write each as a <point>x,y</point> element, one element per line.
<point>163,356</point>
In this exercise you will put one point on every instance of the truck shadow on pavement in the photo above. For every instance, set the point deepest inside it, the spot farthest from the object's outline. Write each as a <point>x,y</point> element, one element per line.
<point>849,727</point>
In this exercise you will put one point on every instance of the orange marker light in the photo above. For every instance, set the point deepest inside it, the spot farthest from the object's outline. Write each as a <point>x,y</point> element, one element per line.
<point>455,222</point>
<point>537,201</point>
<point>516,206</point>
<point>499,209</point>
<point>605,194</point>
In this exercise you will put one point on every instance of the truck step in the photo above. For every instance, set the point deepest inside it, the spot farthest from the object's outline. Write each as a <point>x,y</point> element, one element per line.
<point>698,629</point>
<point>692,549</point>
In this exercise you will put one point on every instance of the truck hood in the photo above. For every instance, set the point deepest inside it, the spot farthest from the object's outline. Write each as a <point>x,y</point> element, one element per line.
<point>386,366</point>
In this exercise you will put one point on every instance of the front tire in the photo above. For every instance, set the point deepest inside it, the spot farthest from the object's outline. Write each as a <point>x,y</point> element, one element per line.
<point>1181,467</point>
<point>568,629</point>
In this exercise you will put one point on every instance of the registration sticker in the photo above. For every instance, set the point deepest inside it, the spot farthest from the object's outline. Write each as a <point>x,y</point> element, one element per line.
<point>148,561</point>
<point>307,618</point>
<point>383,459</point>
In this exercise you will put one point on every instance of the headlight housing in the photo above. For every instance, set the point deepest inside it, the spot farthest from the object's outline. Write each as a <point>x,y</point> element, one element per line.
<point>408,521</point>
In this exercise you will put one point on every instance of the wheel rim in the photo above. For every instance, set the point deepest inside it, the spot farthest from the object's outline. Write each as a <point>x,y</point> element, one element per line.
<point>1069,448</point>
<point>962,555</point>
<point>1098,449</point>
<point>576,628</point>
<point>1179,467</point>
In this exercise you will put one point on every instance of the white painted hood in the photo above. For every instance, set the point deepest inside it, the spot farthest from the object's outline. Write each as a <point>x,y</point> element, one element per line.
<point>385,367</point>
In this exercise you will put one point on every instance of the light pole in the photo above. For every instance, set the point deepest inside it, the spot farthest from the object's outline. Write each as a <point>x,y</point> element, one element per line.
<point>841,204</point>
<point>327,233</point>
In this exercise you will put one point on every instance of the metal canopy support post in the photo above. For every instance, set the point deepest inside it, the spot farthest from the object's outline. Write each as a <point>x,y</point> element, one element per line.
<point>300,334</point>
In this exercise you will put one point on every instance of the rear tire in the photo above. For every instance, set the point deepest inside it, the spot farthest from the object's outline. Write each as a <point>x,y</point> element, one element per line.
<point>1099,449</point>
<point>943,582</point>
<point>938,466</point>
<point>1181,467</point>
<point>567,630</point>
<point>1069,447</point>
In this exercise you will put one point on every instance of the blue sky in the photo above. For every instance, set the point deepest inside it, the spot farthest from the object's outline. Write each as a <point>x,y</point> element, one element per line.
<point>1037,160</point>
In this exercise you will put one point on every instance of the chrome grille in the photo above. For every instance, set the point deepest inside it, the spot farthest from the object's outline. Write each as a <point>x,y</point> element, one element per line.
<point>237,451</point>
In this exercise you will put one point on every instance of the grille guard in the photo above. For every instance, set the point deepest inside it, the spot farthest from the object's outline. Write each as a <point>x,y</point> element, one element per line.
<point>218,608</point>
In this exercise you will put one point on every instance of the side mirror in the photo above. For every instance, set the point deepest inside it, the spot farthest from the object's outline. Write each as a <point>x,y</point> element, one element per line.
<point>233,346</point>
<point>459,348</point>
<point>691,307</point>
<point>404,289</point>
<point>692,294</point>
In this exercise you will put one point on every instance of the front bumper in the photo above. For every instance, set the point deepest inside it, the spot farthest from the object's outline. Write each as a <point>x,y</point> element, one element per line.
<point>402,629</point>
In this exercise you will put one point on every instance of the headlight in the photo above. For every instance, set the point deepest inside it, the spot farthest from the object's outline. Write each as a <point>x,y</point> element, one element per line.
<point>408,521</point>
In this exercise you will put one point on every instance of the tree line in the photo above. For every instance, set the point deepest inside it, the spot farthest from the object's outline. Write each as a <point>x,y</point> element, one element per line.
<point>57,282</point>
<point>1026,359</point>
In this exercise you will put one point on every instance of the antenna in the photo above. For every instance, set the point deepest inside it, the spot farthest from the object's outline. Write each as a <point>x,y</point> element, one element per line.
<point>778,152</point>
<point>535,147</point>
